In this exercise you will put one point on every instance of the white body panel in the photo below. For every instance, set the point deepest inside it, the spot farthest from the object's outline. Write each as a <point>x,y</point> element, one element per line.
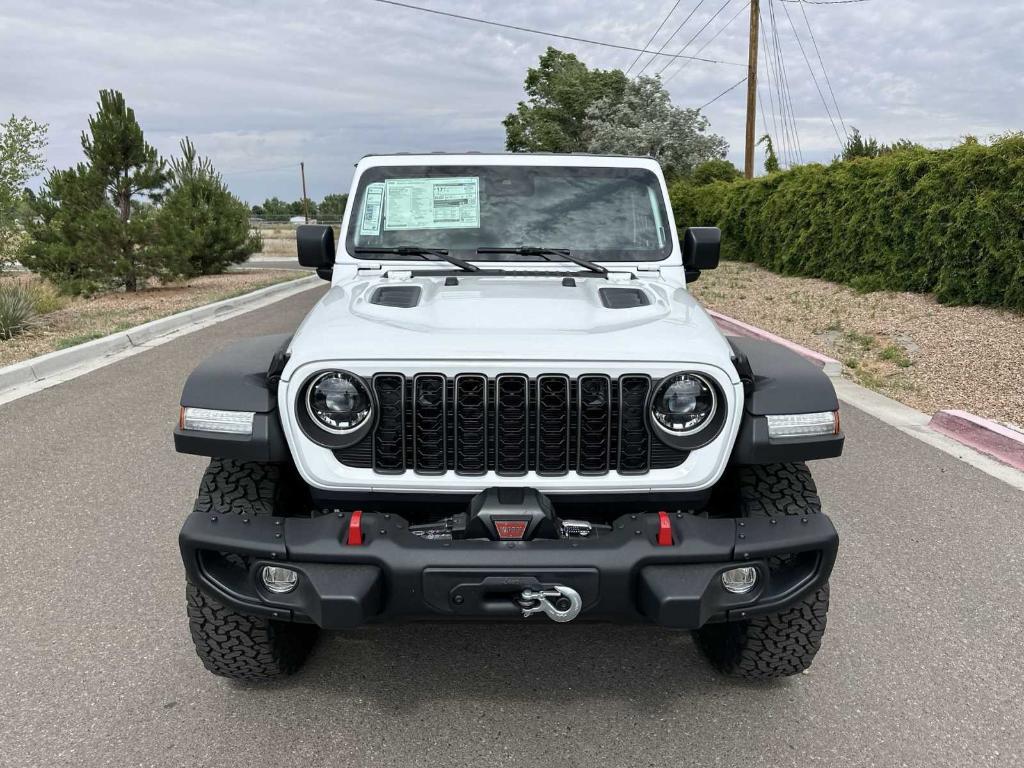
<point>508,324</point>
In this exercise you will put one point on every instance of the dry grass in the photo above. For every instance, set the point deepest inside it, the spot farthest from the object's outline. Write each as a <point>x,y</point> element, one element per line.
<point>904,345</point>
<point>71,321</point>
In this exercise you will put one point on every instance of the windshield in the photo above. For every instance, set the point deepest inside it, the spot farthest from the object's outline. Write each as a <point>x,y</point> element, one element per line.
<point>601,214</point>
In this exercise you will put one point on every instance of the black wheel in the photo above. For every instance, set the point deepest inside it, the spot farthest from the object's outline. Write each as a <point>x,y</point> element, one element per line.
<point>783,643</point>
<point>232,644</point>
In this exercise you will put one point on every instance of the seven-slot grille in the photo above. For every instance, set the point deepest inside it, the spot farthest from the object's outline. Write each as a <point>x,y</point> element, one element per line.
<point>511,424</point>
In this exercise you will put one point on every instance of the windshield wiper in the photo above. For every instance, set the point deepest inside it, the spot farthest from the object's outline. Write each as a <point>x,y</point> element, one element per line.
<point>426,253</point>
<point>545,253</point>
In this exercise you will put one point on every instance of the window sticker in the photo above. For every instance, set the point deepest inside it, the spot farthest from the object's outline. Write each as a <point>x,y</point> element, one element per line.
<point>432,203</point>
<point>373,204</point>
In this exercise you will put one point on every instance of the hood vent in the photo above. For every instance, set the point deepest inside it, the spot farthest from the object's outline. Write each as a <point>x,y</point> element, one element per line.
<point>623,298</point>
<point>401,296</point>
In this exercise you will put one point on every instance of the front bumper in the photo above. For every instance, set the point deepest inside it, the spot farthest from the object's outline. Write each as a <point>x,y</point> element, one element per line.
<point>394,575</point>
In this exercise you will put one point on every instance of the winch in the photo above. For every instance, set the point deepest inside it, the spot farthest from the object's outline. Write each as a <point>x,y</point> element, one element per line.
<point>508,514</point>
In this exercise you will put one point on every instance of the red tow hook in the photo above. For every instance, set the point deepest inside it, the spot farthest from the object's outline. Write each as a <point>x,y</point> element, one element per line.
<point>355,528</point>
<point>664,530</point>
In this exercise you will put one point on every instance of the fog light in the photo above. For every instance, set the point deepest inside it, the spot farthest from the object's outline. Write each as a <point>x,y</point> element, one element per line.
<point>739,581</point>
<point>279,580</point>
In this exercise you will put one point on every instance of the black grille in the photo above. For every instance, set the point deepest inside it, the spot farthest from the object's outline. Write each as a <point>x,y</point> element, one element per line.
<point>511,425</point>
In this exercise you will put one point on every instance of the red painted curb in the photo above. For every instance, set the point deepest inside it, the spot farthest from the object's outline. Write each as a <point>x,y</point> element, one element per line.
<point>983,435</point>
<point>731,325</point>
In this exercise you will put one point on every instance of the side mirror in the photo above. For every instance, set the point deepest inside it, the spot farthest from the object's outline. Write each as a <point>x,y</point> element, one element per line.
<point>316,248</point>
<point>701,247</point>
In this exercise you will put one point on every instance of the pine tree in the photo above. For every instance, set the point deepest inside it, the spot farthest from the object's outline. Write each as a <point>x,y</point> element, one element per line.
<point>118,153</point>
<point>203,228</point>
<point>94,225</point>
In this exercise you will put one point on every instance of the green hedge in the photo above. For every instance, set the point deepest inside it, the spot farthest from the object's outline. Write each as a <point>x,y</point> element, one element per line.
<point>948,222</point>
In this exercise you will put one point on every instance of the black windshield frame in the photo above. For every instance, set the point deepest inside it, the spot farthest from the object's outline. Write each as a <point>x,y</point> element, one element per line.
<point>637,182</point>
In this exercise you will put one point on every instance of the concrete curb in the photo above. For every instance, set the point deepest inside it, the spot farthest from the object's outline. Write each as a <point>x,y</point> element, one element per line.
<point>731,325</point>
<point>983,435</point>
<point>61,361</point>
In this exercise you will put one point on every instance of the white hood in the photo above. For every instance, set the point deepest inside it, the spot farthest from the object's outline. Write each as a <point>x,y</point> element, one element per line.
<point>509,317</point>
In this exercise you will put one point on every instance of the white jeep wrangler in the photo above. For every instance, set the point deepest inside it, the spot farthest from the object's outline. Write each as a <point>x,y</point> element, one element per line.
<point>508,405</point>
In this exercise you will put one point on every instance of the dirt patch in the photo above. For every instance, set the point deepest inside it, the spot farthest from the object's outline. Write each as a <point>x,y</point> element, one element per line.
<point>72,321</point>
<point>905,345</point>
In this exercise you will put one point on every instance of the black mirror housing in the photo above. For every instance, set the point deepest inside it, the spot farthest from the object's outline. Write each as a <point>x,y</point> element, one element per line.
<point>316,248</point>
<point>702,247</point>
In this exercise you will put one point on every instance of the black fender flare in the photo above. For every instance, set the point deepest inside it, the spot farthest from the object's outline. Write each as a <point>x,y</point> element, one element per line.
<point>241,377</point>
<point>776,380</point>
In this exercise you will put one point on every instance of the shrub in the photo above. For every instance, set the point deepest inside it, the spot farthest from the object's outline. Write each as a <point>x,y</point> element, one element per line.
<point>948,222</point>
<point>203,229</point>
<point>17,310</point>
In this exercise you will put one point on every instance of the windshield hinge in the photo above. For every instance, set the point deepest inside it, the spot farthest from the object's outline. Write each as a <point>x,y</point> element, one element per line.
<point>619,277</point>
<point>648,268</point>
<point>398,274</point>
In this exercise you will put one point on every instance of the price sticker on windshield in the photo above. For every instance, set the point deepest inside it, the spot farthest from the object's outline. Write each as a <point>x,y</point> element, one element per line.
<point>373,206</point>
<point>449,203</point>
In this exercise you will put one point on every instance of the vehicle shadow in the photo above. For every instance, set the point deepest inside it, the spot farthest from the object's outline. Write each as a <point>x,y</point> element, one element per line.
<point>405,666</point>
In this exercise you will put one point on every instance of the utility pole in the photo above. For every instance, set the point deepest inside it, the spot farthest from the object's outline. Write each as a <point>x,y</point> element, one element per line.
<point>305,200</point>
<point>755,18</point>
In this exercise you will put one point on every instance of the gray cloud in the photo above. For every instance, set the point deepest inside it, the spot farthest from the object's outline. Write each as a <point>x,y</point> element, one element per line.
<point>261,85</point>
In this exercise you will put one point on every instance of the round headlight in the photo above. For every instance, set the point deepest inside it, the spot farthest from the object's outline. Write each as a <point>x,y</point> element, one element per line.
<point>338,402</point>
<point>684,404</point>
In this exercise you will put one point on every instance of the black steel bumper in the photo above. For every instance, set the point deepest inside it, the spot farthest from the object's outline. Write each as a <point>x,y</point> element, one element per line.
<point>394,575</point>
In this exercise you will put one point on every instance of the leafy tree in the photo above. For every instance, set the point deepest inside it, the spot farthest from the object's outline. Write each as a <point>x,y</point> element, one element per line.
<point>332,206</point>
<point>643,121</point>
<point>275,207</point>
<point>94,227</point>
<point>298,208</point>
<point>21,157</point>
<point>560,92</point>
<point>203,228</point>
<point>771,160</point>
<point>715,170</point>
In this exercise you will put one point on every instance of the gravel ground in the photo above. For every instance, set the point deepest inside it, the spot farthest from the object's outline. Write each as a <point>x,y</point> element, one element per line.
<point>905,345</point>
<point>79,320</point>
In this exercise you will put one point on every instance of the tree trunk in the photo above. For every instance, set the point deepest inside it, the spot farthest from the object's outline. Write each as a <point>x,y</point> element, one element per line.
<point>131,283</point>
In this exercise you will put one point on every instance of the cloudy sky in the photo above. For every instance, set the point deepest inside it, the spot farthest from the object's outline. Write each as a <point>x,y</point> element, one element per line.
<point>261,85</point>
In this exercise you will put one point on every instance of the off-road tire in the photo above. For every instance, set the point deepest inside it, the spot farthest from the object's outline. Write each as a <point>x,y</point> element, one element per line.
<point>229,643</point>
<point>783,643</point>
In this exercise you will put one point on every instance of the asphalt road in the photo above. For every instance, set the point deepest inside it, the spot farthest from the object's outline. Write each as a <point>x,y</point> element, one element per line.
<point>921,666</point>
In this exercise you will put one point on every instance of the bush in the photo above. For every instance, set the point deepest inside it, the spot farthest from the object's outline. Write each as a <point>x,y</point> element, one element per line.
<point>17,310</point>
<point>948,222</point>
<point>203,228</point>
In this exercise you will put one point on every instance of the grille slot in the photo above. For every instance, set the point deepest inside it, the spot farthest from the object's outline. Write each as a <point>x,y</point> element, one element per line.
<point>389,436</point>
<point>471,424</point>
<point>430,436</point>
<point>511,424</point>
<point>634,436</point>
<point>553,445</point>
<point>595,425</point>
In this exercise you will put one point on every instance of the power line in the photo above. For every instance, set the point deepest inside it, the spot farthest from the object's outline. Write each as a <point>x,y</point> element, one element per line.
<point>723,93</point>
<point>824,71</point>
<point>709,42</point>
<point>672,36</point>
<point>789,143</point>
<point>697,33</point>
<point>550,34</point>
<point>648,43</point>
<point>824,2</point>
<point>813,76</point>
<point>787,93</point>
<point>778,109</point>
